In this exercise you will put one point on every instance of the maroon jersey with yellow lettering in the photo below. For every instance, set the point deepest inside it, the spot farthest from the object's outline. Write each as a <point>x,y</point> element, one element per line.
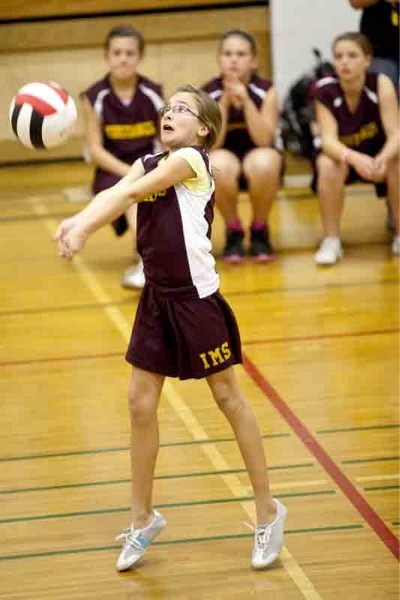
<point>237,138</point>
<point>361,130</point>
<point>129,130</point>
<point>174,234</point>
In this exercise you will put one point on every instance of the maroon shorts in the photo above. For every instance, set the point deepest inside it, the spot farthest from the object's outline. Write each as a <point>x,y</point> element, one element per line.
<point>178,334</point>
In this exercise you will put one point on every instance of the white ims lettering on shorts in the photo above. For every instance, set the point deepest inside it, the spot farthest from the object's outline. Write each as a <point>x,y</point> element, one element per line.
<point>213,358</point>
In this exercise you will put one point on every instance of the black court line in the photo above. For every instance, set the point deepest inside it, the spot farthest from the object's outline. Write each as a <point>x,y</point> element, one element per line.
<point>159,477</point>
<point>196,540</point>
<point>126,448</point>
<point>103,511</point>
<point>317,337</point>
<point>366,428</point>
<point>358,461</point>
<point>379,488</point>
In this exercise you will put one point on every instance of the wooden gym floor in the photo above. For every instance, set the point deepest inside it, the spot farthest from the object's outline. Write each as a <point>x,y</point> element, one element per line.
<point>321,371</point>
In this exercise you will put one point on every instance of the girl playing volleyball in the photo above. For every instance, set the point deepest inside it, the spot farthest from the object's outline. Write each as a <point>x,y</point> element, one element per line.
<point>183,328</point>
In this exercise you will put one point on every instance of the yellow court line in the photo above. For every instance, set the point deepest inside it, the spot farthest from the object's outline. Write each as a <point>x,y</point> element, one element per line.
<point>300,484</point>
<point>183,411</point>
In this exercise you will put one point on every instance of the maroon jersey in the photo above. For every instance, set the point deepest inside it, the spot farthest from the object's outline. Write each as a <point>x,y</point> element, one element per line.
<point>361,130</point>
<point>174,231</point>
<point>129,130</point>
<point>237,138</point>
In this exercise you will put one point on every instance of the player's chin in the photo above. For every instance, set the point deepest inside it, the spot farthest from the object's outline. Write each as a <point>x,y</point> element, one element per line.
<point>123,72</point>
<point>167,137</point>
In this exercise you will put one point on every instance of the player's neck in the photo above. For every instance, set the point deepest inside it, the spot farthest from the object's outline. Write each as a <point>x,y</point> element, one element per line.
<point>124,86</point>
<point>354,87</point>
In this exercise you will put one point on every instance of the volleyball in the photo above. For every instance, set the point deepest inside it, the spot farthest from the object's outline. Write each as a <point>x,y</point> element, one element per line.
<point>42,115</point>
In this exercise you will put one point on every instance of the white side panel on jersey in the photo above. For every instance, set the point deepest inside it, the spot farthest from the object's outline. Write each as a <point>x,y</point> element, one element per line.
<point>325,81</point>
<point>157,101</point>
<point>260,92</point>
<point>371,95</point>
<point>198,246</point>
<point>98,103</point>
<point>216,94</point>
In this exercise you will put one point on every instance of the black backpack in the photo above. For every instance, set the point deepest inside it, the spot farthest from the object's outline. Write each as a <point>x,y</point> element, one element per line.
<point>297,112</point>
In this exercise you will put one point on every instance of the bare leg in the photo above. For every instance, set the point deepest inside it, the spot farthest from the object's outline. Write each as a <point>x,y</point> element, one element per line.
<point>226,171</point>
<point>331,178</point>
<point>227,394</point>
<point>144,394</point>
<point>262,167</point>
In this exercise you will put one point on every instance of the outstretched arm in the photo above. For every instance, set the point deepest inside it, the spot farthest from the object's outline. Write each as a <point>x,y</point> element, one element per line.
<point>109,204</point>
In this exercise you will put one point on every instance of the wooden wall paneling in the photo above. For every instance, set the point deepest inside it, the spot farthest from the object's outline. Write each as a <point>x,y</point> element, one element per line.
<point>27,9</point>
<point>70,52</point>
<point>86,32</point>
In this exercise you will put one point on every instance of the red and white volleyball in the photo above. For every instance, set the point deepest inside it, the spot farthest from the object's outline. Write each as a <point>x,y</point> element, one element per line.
<point>42,115</point>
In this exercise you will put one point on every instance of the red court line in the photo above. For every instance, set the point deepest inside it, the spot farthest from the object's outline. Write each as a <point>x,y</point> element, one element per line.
<point>306,338</point>
<point>33,361</point>
<point>312,338</point>
<point>347,487</point>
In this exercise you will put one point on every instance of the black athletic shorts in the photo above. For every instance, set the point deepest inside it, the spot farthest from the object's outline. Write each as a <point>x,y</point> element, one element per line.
<point>352,177</point>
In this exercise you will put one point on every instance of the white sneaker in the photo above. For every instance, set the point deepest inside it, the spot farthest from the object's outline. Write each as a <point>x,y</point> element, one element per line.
<point>136,541</point>
<point>329,252</point>
<point>396,246</point>
<point>268,539</point>
<point>133,277</point>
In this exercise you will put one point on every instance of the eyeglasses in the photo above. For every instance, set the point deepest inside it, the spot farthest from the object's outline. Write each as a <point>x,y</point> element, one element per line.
<point>180,109</point>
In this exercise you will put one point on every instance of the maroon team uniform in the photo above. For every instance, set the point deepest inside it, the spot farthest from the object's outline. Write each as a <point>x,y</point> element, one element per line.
<point>237,138</point>
<point>129,130</point>
<point>183,327</point>
<point>361,130</point>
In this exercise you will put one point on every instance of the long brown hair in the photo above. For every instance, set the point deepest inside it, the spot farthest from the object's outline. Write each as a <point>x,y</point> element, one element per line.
<point>125,31</point>
<point>358,38</point>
